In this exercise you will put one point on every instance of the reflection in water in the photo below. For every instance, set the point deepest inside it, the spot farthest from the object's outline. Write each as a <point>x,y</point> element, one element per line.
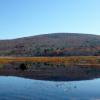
<point>50,71</point>
<point>15,88</point>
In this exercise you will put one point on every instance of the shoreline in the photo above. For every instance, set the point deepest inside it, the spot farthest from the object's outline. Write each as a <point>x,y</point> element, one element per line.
<point>89,60</point>
<point>52,68</point>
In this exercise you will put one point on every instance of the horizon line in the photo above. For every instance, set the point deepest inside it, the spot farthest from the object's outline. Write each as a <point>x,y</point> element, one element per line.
<point>47,34</point>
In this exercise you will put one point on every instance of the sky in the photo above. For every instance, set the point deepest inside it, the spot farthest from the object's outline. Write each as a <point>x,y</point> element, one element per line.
<point>21,18</point>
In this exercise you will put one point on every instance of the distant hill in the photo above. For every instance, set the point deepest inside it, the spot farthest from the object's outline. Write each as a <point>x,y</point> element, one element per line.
<point>55,44</point>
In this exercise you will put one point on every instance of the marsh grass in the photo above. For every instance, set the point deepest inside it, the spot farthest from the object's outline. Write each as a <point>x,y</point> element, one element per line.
<point>78,60</point>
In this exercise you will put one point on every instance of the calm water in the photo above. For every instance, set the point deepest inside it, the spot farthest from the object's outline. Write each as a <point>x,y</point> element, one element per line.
<point>15,88</point>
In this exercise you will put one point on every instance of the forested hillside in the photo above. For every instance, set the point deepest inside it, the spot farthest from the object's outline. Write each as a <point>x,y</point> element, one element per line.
<point>55,44</point>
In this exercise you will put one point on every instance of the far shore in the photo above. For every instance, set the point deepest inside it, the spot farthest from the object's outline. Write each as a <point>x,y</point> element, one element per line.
<point>79,60</point>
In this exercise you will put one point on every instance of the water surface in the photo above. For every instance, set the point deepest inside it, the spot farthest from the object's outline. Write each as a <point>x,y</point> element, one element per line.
<point>16,88</point>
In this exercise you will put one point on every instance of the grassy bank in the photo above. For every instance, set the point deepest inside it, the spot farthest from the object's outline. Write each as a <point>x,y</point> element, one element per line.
<point>80,60</point>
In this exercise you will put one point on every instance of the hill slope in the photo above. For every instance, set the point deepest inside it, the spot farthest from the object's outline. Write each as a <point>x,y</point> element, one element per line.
<point>55,44</point>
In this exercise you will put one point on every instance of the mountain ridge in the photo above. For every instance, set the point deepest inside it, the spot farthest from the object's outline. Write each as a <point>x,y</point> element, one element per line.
<point>48,34</point>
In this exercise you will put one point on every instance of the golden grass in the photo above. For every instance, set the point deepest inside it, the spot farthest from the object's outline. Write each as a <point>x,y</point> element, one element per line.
<point>92,60</point>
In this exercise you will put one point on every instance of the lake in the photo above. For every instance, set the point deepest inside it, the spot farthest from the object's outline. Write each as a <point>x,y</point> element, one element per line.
<point>17,88</point>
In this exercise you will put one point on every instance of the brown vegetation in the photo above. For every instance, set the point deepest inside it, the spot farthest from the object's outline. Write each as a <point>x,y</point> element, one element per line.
<point>57,44</point>
<point>72,60</point>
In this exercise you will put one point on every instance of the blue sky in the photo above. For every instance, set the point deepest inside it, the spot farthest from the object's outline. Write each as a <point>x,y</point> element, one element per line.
<point>19,18</point>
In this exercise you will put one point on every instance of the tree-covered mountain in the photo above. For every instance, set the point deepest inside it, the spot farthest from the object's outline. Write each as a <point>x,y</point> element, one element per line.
<point>55,44</point>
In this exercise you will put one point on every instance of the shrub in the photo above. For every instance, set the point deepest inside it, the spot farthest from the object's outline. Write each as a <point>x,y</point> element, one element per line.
<point>23,67</point>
